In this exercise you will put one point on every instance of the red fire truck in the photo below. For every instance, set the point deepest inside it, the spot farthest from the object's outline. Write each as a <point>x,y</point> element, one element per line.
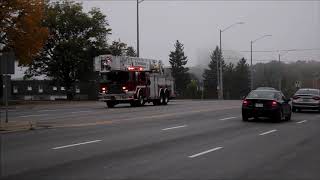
<point>133,80</point>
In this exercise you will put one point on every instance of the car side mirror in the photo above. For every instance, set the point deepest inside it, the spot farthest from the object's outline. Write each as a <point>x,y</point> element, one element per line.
<point>243,97</point>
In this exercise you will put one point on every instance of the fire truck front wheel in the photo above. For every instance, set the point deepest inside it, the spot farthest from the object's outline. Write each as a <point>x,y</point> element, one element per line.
<point>140,101</point>
<point>110,104</point>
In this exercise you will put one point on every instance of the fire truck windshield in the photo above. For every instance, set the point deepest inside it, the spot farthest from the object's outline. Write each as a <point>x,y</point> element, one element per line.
<point>115,77</point>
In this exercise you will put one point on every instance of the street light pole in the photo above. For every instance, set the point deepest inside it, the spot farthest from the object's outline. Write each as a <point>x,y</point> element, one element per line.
<point>251,42</point>
<point>220,78</point>
<point>251,67</point>
<point>280,77</point>
<point>219,72</point>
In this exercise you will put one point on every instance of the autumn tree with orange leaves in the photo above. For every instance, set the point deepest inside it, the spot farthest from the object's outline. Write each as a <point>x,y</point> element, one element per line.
<point>21,29</point>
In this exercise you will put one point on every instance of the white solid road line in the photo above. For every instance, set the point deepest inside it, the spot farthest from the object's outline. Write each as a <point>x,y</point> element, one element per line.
<point>71,145</point>
<point>301,121</point>
<point>268,132</point>
<point>176,127</point>
<point>33,115</point>
<point>80,112</point>
<point>205,152</point>
<point>227,118</point>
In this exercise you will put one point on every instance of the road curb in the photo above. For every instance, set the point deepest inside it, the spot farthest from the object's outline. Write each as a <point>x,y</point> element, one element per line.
<point>15,126</point>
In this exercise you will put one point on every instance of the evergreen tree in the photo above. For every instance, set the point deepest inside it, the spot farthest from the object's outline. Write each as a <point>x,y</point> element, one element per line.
<point>131,52</point>
<point>241,80</point>
<point>179,72</point>
<point>210,75</point>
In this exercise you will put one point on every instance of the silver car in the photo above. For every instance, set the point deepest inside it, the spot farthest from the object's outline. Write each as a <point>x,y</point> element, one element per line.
<point>306,99</point>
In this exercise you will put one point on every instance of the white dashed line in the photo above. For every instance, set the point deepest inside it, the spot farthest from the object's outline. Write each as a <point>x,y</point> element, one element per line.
<point>71,145</point>
<point>176,127</point>
<point>227,118</point>
<point>34,115</point>
<point>301,121</point>
<point>268,132</point>
<point>205,152</point>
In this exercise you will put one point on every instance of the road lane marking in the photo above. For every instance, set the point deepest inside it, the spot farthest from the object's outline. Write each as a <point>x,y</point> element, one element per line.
<point>33,115</point>
<point>301,121</point>
<point>205,152</point>
<point>80,112</point>
<point>47,110</point>
<point>175,127</point>
<point>227,118</point>
<point>268,132</point>
<point>71,145</point>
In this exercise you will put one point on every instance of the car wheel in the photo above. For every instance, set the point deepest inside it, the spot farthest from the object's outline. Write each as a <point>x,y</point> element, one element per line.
<point>110,104</point>
<point>280,116</point>
<point>244,117</point>
<point>294,109</point>
<point>288,117</point>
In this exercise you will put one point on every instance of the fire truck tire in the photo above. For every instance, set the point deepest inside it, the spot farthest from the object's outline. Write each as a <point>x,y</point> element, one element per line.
<point>165,99</point>
<point>161,99</point>
<point>140,101</point>
<point>110,104</point>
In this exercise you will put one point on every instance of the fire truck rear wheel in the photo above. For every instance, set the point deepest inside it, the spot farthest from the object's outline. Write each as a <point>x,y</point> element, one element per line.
<point>165,99</point>
<point>110,104</point>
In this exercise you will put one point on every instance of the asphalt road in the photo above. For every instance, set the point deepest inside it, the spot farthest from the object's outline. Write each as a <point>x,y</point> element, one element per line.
<point>183,140</point>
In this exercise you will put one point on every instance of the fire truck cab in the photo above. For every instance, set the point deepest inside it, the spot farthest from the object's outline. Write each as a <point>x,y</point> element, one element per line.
<point>132,80</point>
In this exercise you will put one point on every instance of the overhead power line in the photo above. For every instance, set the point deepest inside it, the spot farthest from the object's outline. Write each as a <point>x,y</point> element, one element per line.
<point>294,50</point>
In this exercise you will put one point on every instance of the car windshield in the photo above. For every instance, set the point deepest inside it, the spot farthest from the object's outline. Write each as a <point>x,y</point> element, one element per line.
<point>262,94</point>
<point>308,91</point>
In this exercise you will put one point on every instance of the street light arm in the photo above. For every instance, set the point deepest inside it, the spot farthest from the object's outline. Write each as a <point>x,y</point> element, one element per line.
<point>261,38</point>
<point>140,1</point>
<point>231,26</point>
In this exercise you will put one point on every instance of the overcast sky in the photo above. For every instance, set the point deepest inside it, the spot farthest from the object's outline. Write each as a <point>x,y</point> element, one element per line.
<point>292,24</point>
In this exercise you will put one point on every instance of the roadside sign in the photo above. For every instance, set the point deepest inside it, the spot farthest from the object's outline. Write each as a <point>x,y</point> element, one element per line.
<point>7,63</point>
<point>298,84</point>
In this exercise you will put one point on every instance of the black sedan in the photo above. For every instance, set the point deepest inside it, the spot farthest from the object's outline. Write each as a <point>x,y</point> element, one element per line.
<point>266,103</point>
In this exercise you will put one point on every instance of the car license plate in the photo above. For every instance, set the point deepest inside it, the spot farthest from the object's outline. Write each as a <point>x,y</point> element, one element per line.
<point>259,105</point>
<point>306,100</point>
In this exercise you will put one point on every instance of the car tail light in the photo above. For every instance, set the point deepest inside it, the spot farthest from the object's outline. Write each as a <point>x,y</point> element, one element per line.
<point>246,102</point>
<point>104,89</point>
<point>274,103</point>
<point>295,97</point>
<point>316,98</point>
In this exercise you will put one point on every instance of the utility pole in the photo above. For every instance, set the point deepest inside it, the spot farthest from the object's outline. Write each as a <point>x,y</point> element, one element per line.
<point>220,64</point>
<point>280,76</point>
<point>138,51</point>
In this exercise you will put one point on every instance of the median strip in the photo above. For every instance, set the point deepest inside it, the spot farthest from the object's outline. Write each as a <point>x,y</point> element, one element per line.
<point>71,145</point>
<point>301,121</point>
<point>205,152</point>
<point>176,127</point>
<point>268,132</point>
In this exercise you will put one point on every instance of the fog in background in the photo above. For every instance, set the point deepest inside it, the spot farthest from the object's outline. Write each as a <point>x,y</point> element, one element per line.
<point>292,24</point>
